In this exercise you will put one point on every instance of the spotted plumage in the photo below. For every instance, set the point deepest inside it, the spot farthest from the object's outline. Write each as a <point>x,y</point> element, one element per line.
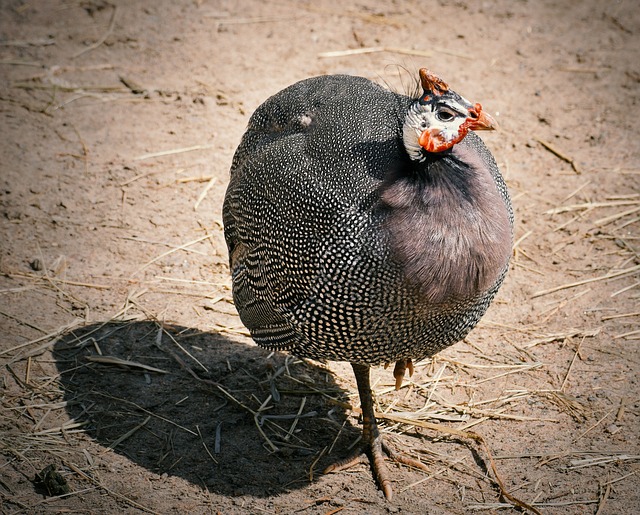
<point>364,225</point>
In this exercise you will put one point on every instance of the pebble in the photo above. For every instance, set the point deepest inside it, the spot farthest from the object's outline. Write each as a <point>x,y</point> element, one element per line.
<point>613,429</point>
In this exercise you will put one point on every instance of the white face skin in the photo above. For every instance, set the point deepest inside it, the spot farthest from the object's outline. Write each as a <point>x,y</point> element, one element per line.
<point>443,120</point>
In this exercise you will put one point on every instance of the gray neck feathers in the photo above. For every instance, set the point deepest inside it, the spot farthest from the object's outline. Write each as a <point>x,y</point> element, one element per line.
<point>448,225</point>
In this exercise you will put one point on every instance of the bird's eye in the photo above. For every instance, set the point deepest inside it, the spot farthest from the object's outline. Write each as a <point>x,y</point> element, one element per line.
<point>444,115</point>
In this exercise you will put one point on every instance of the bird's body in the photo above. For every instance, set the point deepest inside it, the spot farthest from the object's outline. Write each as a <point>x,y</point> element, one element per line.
<point>350,241</point>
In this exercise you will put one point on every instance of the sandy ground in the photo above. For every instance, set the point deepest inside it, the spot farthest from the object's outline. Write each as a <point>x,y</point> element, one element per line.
<point>119,121</point>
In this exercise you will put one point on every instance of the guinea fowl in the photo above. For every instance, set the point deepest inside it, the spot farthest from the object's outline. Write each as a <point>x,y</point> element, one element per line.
<point>366,226</point>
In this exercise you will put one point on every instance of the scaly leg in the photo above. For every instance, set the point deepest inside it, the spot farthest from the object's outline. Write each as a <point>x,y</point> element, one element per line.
<point>373,447</point>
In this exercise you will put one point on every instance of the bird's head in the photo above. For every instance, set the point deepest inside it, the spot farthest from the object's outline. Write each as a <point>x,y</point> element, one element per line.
<point>440,118</point>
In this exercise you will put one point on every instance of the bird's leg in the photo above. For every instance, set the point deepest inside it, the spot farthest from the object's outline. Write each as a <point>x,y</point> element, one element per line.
<point>373,445</point>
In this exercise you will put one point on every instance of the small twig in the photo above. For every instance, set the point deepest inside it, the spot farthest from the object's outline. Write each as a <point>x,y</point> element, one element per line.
<point>146,174</point>
<point>432,475</point>
<point>602,460</point>
<point>559,154</point>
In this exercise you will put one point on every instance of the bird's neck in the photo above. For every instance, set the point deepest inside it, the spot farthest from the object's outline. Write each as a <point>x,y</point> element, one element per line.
<point>448,226</point>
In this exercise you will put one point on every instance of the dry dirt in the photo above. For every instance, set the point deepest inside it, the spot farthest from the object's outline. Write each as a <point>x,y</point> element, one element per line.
<point>119,122</point>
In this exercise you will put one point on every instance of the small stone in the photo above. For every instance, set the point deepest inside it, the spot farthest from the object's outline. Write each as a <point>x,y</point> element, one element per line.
<point>613,429</point>
<point>36,265</point>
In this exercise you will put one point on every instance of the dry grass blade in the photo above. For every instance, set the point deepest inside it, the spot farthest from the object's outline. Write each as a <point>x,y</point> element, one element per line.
<point>623,315</point>
<point>521,239</point>
<point>169,252</point>
<point>204,192</point>
<point>315,462</point>
<point>113,360</point>
<point>112,22</point>
<point>375,49</point>
<point>610,275</point>
<point>626,288</point>
<point>13,62</point>
<point>171,152</point>
<point>608,219</point>
<point>502,505</point>
<point>591,205</point>
<point>601,460</point>
<point>568,403</point>
<point>255,414</point>
<point>627,334</point>
<point>231,330</point>
<point>204,178</point>
<point>111,492</point>
<point>144,410</point>
<point>604,495</point>
<point>431,476</point>
<point>562,336</point>
<point>22,322</point>
<point>49,336</point>
<point>576,191</point>
<point>575,355</point>
<point>518,369</point>
<point>592,427</point>
<point>61,281</point>
<point>129,433</point>
<point>162,330</point>
<point>204,444</point>
<point>67,427</point>
<point>255,19</point>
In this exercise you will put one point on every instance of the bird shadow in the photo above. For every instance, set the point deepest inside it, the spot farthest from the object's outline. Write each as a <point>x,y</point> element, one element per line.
<point>225,415</point>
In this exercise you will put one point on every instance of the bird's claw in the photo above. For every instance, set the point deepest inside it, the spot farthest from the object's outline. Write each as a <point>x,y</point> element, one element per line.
<point>375,452</point>
<point>398,371</point>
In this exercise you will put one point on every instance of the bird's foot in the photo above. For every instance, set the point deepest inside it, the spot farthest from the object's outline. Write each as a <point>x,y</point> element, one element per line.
<point>374,451</point>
